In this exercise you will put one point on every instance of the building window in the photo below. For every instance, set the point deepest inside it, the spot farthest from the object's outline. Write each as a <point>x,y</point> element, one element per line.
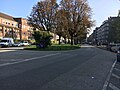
<point>16,25</point>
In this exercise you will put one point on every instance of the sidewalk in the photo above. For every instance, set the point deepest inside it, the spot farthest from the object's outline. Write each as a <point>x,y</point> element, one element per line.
<point>114,82</point>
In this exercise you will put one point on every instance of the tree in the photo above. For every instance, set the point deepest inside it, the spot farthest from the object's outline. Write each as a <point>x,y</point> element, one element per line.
<point>78,15</point>
<point>69,18</point>
<point>114,32</point>
<point>43,14</point>
<point>42,19</point>
<point>42,39</point>
<point>60,24</point>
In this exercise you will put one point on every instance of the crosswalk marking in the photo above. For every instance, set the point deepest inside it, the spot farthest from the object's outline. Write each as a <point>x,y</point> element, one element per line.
<point>113,87</point>
<point>116,76</point>
<point>117,64</point>
<point>117,69</point>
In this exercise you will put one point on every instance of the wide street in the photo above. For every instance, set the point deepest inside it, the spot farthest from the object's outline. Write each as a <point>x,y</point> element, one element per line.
<point>82,69</point>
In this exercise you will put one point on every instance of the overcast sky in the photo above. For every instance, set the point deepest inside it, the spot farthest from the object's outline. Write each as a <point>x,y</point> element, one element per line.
<point>102,9</point>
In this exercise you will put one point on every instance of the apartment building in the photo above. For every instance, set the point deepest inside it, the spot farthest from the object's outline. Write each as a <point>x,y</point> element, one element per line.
<point>8,26</point>
<point>16,28</point>
<point>24,29</point>
<point>103,33</point>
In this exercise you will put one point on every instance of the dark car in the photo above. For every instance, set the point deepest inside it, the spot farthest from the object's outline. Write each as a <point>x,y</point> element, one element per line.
<point>118,55</point>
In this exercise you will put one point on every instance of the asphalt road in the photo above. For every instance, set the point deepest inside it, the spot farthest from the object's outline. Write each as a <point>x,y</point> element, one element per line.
<point>83,69</point>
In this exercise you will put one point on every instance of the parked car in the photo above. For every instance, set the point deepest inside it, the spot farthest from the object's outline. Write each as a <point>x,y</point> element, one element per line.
<point>18,44</point>
<point>113,47</point>
<point>118,55</point>
<point>6,42</point>
<point>25,43</point>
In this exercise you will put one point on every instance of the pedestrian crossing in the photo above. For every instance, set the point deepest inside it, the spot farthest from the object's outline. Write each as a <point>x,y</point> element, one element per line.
<point>113,87</point>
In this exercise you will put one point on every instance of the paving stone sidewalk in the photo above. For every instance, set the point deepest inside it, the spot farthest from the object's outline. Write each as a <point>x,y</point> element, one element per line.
<point>114,82</point>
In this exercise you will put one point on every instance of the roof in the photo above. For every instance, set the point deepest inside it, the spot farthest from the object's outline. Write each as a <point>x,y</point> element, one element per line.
<point>6,16</point>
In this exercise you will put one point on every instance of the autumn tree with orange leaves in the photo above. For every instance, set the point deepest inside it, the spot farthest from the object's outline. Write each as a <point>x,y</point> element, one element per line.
<point>69,19</point>
<point>43,14</point>
<point>61,24</point>
<point>78,15</point>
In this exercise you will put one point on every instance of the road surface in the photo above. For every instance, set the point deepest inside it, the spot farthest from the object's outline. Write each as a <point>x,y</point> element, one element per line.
<point>82,69</point>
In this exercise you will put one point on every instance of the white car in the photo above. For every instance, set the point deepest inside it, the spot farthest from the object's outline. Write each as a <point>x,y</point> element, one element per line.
<point>25,43</point>
<point>6,42</point>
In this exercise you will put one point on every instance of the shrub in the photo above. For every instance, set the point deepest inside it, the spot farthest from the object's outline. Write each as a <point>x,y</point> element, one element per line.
<point>42,39</point>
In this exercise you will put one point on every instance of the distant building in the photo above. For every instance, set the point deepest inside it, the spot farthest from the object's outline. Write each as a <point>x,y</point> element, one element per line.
<point>102,34</point>
<point>16,28</point>
<point>25,29</point>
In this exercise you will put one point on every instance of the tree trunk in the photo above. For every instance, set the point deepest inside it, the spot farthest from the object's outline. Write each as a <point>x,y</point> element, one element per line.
<point>59,40</point>
<point>71,39</point>
<point>65,40</point>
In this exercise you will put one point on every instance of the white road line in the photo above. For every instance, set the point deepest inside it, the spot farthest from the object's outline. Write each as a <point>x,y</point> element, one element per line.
<point>117,69</point>
<point>5,64</point>
<point>113,87</point>
<point>6,50</point>
<point>116,76</point>
<point>11,60</point>
<point>108,77</point>
<point>25,60</point>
